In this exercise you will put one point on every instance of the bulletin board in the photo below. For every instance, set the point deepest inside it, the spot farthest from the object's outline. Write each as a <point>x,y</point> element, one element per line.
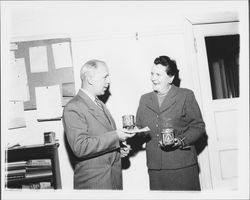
<point>52,68</point>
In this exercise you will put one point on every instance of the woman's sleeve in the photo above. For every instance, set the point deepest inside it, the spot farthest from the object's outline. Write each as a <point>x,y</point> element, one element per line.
<point>139,115</point>
<point>196,126</point>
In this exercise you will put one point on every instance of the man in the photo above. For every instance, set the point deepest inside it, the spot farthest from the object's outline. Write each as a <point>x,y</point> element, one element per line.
<point>91,132</point>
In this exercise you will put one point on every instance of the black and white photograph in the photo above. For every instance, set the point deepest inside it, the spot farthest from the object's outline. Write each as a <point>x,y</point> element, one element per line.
<point>125,99</point>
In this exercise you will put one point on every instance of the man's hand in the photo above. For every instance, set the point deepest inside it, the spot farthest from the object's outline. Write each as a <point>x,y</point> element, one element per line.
<point>123,134</point>
<point>125,148</point>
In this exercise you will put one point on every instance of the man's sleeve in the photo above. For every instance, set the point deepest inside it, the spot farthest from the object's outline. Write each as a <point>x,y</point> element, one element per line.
<point>82,144</point>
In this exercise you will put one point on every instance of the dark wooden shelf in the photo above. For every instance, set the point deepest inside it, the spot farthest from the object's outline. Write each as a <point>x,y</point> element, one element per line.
<point>43,151</point>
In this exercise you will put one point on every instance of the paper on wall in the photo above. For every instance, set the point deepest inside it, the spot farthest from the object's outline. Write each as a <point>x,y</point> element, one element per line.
<point>16,115</point>
<point>13,46</point>
<point>62,55</point>
<point>18,83</point>
<point>38,59</point>
<point>48,100</point>
<point>12,56</point>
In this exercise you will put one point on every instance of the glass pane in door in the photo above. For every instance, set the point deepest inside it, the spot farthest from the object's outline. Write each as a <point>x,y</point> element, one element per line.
<point>223,62</point>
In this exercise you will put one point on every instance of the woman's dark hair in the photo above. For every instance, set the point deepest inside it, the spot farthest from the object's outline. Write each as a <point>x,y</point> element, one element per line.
<point>171,68</point>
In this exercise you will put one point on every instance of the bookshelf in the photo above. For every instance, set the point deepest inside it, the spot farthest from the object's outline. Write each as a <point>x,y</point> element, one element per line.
<point>34,165</point>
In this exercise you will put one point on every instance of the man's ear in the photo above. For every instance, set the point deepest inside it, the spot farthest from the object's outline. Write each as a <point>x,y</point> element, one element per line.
<point>90,78</point>
<point>86,77</point>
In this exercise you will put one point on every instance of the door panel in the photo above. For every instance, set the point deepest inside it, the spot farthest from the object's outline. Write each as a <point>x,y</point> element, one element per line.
<point>220,95</point>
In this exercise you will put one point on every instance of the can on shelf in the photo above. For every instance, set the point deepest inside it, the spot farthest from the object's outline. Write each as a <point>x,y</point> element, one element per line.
<point>49,137</point>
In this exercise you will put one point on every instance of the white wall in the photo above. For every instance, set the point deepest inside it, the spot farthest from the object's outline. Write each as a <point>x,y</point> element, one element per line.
<point>97,18</point>
<point>107,31</point>
<point>130,61</point>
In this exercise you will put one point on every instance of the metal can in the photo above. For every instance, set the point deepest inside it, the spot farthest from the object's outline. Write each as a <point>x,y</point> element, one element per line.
<point>167,136</point>
<point>49,137</point>
<point>128,121</point>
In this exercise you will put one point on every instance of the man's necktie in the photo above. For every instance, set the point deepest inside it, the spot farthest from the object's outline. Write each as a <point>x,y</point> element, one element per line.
<point>99,104</point>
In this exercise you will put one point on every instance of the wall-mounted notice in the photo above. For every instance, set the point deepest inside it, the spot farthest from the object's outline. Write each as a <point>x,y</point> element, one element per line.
<point>48,99</point>
<point>47,62</point>
<point>16,115</point>
<point>38,59</point>
<point>13,46</point>
<point>12,56</point>
<point>18,84</point>
<point>62,55</point>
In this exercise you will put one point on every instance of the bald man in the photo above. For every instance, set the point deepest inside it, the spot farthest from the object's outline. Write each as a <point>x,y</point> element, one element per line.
<point>91,132</point>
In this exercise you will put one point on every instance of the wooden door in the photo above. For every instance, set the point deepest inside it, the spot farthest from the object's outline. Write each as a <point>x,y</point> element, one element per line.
<point>217,50</point>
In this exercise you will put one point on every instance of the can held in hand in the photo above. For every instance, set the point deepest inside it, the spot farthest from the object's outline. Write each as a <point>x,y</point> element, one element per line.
<point>49,137</point>
<point>128,121</point>
<point>167,136</point>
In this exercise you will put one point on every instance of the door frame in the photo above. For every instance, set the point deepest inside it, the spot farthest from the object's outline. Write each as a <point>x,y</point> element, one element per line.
<point>189,22</point>
<point>220,147</point>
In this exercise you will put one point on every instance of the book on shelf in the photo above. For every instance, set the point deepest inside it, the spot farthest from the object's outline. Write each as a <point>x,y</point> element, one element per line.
<point>39,162</point>
<point>44,174</point>
<point>16,172</point>
<point>15,165</point>
<point>39,185</point>
<point>34,164</point>
<point>12,168</point>
<point>37,168</point>
<point>34,168</point>
<point>29,170</point>
<point>39,174</point>
<point>16,177</point>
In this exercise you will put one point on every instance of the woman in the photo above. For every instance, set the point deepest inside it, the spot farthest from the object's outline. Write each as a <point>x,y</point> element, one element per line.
<point>171,167</point>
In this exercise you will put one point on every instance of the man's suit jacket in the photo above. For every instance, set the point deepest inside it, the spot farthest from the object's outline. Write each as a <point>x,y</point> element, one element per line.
<point>94,143</point>
<point>181,109</point>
